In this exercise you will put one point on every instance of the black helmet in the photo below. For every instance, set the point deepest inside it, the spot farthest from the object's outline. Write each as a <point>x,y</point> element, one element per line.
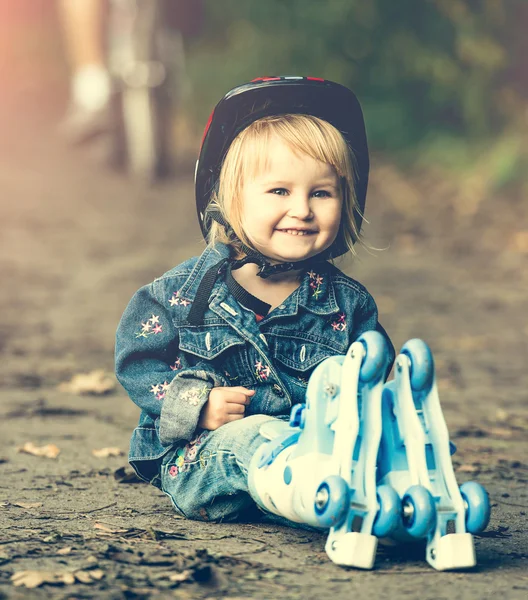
<point>272,96</point>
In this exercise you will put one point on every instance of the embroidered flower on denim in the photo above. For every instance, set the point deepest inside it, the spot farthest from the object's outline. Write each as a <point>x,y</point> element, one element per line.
<point>188,454</point>
<point>150,327</point>
<point>261,372</point>
<point>194,396</point>
<point>177,365</point>
<point>192,451</point>
<point>315,283</point>
<point>339,324</point>
<point>176,299</point>
<point>199,439</point>
<point>180,457</point>
<point>159,389</point>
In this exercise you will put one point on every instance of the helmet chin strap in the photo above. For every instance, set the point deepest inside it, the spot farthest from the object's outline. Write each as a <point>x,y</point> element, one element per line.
<point>266,269</point>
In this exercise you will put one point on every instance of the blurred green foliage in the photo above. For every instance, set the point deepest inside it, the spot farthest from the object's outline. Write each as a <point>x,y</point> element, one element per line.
<point>443,76</point>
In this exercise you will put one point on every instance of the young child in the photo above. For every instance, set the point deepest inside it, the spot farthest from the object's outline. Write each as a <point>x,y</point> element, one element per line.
<point>226,342</point>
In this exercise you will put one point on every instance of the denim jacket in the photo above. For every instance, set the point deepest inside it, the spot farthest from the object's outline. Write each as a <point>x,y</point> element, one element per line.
<point>168,366</point>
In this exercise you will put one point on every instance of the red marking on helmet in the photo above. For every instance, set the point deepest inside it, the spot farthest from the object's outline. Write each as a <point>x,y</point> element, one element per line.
<point>207,128</point>
<point>265,79</point>
<point>315,79</point>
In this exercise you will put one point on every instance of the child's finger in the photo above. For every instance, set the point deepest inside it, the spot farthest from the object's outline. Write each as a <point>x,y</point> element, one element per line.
<point>242,390</point>
<point>238,397</point>
<point>234,408</point>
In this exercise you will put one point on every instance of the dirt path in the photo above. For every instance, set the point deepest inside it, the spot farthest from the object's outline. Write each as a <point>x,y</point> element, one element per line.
<point>75,243</point>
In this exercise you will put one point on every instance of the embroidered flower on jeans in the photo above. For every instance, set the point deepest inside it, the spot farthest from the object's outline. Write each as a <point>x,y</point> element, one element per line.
<point>176,299</point>
<point>180,457</point>
<point>315,283</point>
<point>150,327</point>
<point>339,324</point>
<point>192,451</point>
<point>194,396</point>
<point>188,454</point>
<point>199,439</point>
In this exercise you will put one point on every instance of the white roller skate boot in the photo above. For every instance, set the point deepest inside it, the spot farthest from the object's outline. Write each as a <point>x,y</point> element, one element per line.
<point>415,459</point>
<point>321,469</point>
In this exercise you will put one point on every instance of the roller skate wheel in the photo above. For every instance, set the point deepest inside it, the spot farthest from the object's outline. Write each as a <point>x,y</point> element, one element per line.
<point>418,511</point>
<point>375,357</point>
<point>389,512</point>
<point>478,507</point>
<point>422,364</point>
<point>331,501</point>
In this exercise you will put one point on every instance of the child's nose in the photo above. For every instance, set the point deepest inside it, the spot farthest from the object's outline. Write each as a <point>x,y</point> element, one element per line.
<point>300,207</point>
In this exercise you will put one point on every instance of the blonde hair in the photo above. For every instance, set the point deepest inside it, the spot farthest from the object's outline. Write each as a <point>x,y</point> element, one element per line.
<point>246,158</point>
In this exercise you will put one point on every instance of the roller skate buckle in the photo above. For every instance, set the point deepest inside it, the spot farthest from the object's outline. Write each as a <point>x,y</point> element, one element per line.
<point>353,549</point>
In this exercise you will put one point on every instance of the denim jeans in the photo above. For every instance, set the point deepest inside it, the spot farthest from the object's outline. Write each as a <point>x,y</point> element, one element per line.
<point>207,479</point>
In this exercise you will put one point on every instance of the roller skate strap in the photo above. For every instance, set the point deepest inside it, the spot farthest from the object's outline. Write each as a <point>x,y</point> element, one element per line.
<point>274,428</point>
<point>275,446</point>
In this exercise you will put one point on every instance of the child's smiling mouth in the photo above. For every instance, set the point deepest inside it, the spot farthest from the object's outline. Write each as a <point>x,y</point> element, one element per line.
<point>297,231</point>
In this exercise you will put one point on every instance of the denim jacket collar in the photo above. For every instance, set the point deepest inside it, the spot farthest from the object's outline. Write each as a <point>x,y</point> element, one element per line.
<point>315,294</point>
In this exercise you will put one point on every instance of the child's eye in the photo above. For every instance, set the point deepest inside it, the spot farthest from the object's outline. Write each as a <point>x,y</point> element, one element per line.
<point>322,194</point>
<point>279,191</point>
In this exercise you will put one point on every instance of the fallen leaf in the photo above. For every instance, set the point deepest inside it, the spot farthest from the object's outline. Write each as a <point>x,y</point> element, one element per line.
<point>47,451</point>
<point>106,529</point>
<point>183,576</point>
<point>34,579</point>
<point>83,576</point>
<point>95,383</point>
<point>96,574</point>
<point>52,538</point>
<point>67,578</point>
<point>106,452</point>
<point>27,505</point>
<point>468,468</point>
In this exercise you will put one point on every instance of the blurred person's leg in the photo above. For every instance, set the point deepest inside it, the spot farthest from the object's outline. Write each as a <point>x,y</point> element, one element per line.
<point>84,25</point>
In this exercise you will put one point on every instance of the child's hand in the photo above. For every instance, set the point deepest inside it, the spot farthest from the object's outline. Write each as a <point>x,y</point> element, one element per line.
<point>225,404</point>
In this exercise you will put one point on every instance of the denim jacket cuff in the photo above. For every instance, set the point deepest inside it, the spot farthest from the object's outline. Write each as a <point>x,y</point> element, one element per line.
<point>185,397</point>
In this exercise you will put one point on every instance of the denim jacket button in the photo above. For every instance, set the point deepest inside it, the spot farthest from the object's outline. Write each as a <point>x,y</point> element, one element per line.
<point>278,391</point>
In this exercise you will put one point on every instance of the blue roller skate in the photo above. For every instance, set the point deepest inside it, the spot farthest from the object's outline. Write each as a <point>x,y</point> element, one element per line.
<point>415,459</point>
<point>321,469</point>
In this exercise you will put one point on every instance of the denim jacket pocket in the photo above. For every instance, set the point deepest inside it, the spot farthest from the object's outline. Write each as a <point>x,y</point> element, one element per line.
<point>298,357</point>
<point>220,346</point>
<point>303,354</point>
<point>209,341</point>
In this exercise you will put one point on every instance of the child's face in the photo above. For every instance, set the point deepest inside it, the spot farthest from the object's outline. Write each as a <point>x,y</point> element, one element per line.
<point>292,209</point>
